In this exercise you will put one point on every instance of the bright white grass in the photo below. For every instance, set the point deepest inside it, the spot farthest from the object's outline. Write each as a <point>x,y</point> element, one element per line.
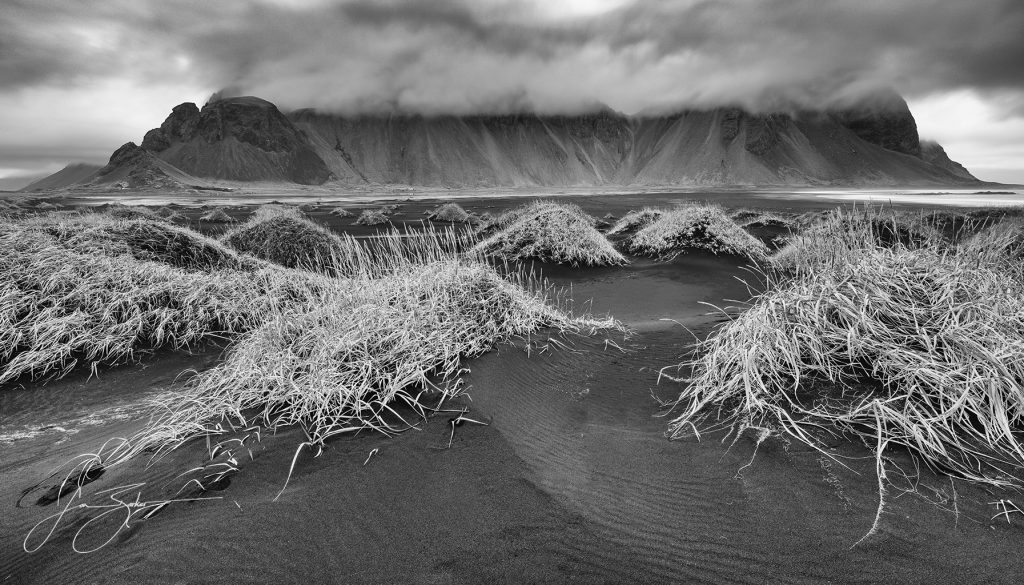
<point>828,237</point>
<point>452,212</point>
<point>550,232</point>
<point>60,307</point>
<point>373,217</point>
<point>217,215</point>
<point>921,347</point>
<point>693,226</point>
<point>373,346</point>
<point>635,220</point>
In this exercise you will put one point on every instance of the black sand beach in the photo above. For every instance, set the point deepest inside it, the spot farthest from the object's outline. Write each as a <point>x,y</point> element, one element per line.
<point>572,480</point>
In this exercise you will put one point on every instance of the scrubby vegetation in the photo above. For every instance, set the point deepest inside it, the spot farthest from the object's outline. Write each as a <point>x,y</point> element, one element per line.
<point>372,217</point>
<point>129,211</point>
<point>452,212</point>
<point>143,239</point>
<point>284,236</point>
<point>634,220</point>
<point>330,355</point>
<point>216,215</point>
<point>694,226</point>
<point>823,235</point>
<point>898,341</point>
<point>86,299</point>
<point>550,232</point>
<point>341,212</point>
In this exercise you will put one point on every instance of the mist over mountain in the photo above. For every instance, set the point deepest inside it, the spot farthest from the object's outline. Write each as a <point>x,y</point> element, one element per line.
<point>245,139</point>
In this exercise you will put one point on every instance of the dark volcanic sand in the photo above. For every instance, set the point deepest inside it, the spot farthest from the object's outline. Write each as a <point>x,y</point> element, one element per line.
<point>573,481</point>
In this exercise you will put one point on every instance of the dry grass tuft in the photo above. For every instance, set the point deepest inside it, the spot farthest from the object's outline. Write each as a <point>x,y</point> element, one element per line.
<point>550,232</point>
<point>341,212</point>
<point>452,212</point>
<point>851,232</point>
<point>372,217</point>
<point>918,346</point>
<point>118,211</point>
<point>60,306</point>
<point>695,226</point>
<point>635,220</point>
<point>143,239</point>
<point>217,215</point>
<point>284,236</point>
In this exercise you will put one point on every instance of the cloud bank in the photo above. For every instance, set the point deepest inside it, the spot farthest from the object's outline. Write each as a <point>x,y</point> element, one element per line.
<point>486,56</point>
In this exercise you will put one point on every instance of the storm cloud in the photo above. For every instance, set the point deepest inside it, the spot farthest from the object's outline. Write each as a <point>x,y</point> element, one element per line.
<point>485,56</point>
<point>471,55</point>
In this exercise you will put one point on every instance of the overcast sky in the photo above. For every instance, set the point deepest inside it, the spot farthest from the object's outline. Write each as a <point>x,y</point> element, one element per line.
<point>80,77</point>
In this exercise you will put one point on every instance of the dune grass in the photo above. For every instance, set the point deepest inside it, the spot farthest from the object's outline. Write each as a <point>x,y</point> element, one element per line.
<point>839,231</point>
<point>451,212</point>
<point>92,301</point>
<point>217,215</point>
<point>120,211</point>
<point>341,212</point>
<point>372,217</point>
<point>550,232</point>
<point>695,226</point>
<point>915,345</point>
<point>284,236</point>
<point>635,220</point>
<point>376,350</point>
<point>143,239</point>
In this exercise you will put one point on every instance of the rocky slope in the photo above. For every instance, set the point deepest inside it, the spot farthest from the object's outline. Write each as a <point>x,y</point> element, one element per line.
<point>249,139</point>
<point>135,168</point>
<point>239,139</point>
<point>72,174</point>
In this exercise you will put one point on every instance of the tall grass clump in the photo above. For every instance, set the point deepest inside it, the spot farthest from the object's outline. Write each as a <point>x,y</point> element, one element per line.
<point>282,235</point>
<point>120,211</point>
<point>60,306</point>
<point>356,362</point>
<point>341,212</point>
<point>451,212</point>
<point>143,239</point>
<point>550,232</point>
<point>842,232</point>
<point>1001,244</point>
<point>695,226</point>
<point>914,345</point>
<point>216,215</point>
<point>372,217</point>
<point>635,220</point>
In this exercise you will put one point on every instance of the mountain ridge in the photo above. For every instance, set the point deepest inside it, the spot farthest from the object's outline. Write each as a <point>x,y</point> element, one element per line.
<point>247,139</point>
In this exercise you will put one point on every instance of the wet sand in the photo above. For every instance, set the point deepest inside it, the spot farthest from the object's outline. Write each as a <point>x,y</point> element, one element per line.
<point>572,481</point>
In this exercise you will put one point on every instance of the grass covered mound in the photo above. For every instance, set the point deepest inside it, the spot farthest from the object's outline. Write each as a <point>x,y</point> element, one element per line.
<point>60,307</point>
<point>635,220</point>
<point>341,212</point>
<point>282,235</point>
<point>119,211</point>
<point>372,217</point>
<point>452,212</point>
<point>1001,244</point>
<point>143,239</point>
<point>919,347</point>
<point>550,232</point>
<point>852,231</point>
<point>351,364</point>
<point>695,226</point>
<point>217,215</point>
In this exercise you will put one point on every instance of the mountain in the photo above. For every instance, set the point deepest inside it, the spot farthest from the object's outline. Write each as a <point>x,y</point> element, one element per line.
<point>249,139</point>
<point>133,167</point>
<point>933,153</point>
<point>239,139</point>
<point>70,175</point>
